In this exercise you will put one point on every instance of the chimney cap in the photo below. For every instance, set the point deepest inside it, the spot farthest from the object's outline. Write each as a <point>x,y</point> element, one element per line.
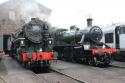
<point>89,22</point>
<point>89,19</point>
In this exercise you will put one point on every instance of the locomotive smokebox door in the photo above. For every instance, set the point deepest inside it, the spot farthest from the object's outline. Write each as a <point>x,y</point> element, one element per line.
<point>95,34</point>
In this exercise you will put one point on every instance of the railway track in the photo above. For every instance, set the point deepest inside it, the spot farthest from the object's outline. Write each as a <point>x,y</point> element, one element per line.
<point>90,74</point>
<point>41,80</point>
<point>64,72</point>
<point>54,76</point>
<point>15,73</point>
<point>114,66</point>
<point>3,80</point>
<point>56,71</point>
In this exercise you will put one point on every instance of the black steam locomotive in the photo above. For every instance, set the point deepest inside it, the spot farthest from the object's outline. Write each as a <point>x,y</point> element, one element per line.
<point>32,44</point>
<point>82,46</point>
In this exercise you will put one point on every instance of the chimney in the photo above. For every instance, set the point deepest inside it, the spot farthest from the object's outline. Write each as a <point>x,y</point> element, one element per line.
<point>89,22</point>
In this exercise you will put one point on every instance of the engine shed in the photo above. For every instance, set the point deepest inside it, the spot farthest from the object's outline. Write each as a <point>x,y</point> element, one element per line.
<point>13,16</point>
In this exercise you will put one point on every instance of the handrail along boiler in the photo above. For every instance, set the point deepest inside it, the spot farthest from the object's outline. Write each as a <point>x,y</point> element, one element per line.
<point>32,44</point>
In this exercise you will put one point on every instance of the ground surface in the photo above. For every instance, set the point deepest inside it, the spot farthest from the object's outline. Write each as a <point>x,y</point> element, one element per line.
<point>90,74</point>
<point>13,72</point>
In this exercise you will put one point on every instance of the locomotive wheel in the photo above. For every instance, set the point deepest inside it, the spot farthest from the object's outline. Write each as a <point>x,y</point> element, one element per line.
<point>107,59</point>
<point>24,64</point>
<point>73,59</point>
<point>89,61</point>
<point>46,65</point>
<point>66,54</point>
<point>95,61</point>
<point>27,65</point>
<point>92,61</point>
<point>60,56</point>
<point>64,58</point>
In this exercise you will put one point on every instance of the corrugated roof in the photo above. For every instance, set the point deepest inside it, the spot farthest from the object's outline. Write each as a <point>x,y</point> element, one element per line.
<point>112,26</point>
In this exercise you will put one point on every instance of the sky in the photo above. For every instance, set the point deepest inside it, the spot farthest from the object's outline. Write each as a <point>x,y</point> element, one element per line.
<point>75,12</point>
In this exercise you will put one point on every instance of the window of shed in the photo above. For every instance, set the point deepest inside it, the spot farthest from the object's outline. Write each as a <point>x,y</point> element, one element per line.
<point>122,30</point>
<point>109,38</point>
